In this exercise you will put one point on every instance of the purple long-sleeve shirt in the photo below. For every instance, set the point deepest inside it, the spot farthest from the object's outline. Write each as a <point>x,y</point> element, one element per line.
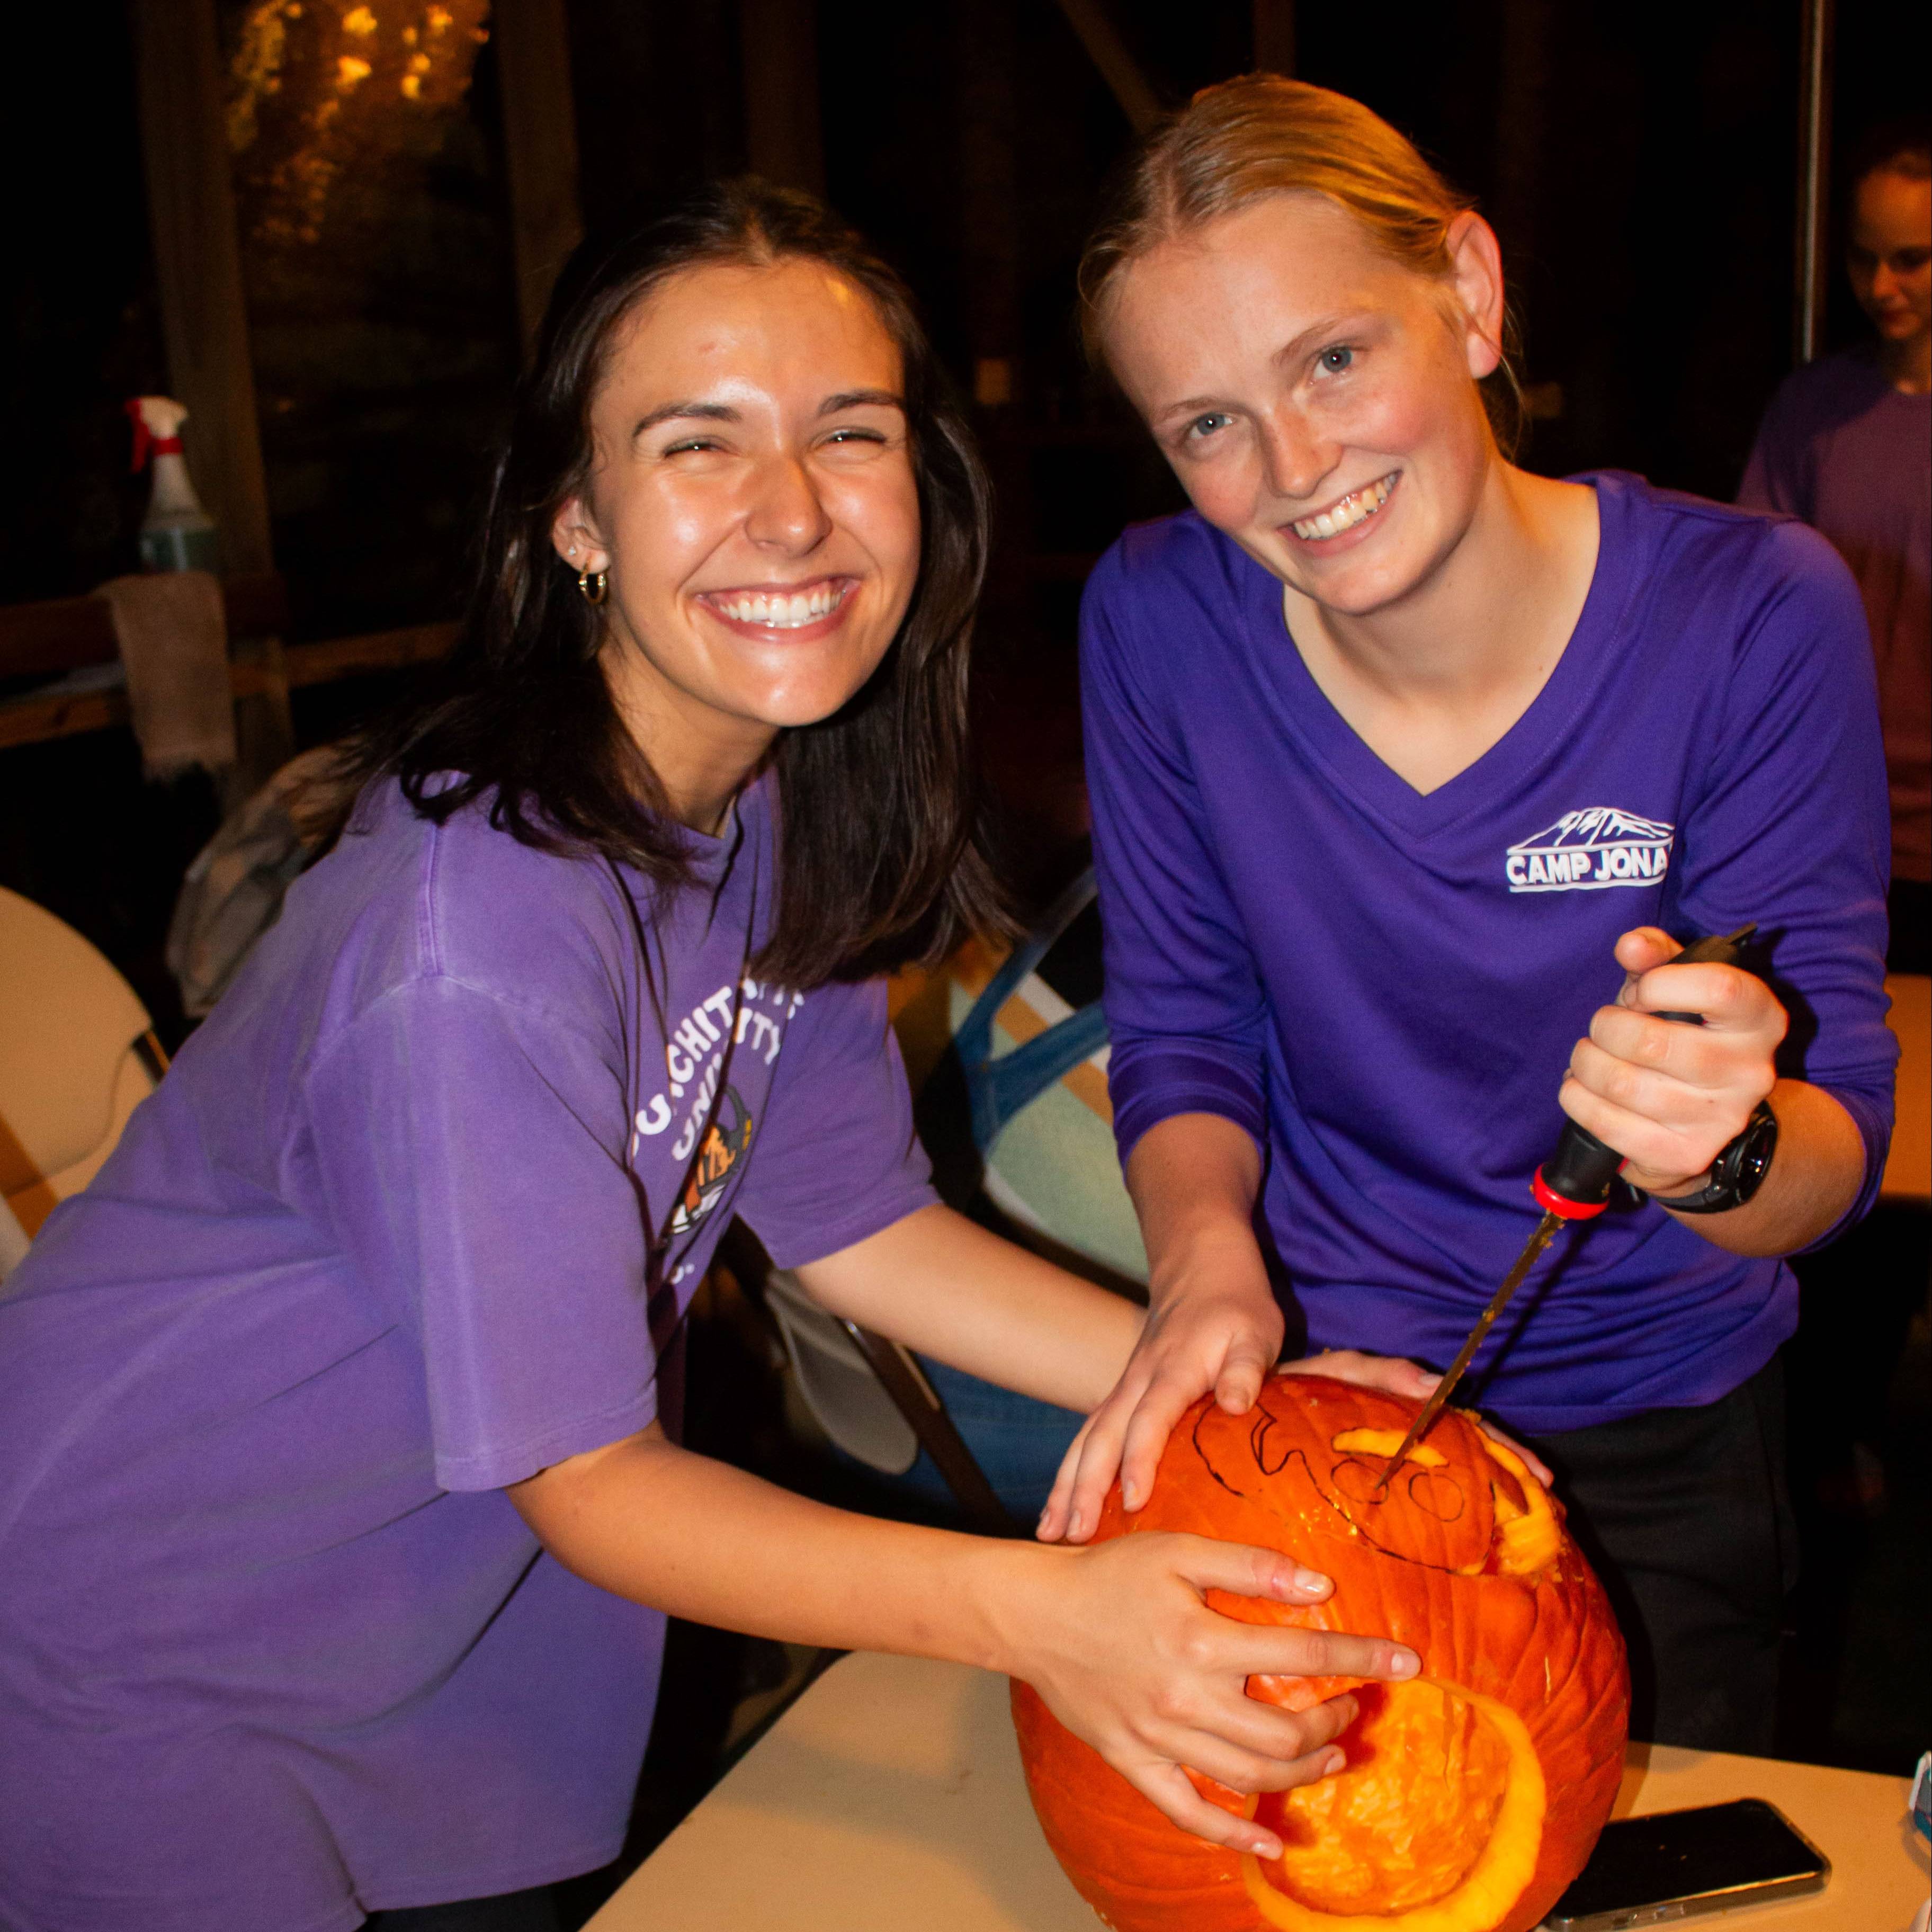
<point>1384,988</point>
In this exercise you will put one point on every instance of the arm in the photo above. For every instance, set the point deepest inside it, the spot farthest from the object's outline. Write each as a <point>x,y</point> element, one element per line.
<point>1187,1015</point>
<point>1787,826</point>
<point>983,1305</point>
<point>1212,1320</point>
<point>1117,1639</point>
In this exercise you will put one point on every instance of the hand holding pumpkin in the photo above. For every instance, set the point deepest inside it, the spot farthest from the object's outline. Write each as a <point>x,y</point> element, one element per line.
<point>1217,1333</point>
<point>1119,1642</point>
<point>1168,1372</point>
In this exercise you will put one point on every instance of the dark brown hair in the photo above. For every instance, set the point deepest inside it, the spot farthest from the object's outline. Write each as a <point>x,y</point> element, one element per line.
<point>881,858</point>
<point>1259,135</point>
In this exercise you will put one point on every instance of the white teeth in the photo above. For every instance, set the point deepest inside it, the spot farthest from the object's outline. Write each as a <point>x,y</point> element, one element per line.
<point>783,612</point>
<point>1351,510</point>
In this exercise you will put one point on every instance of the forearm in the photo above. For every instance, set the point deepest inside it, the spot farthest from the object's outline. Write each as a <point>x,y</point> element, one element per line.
<point>939,1283</point>
<point>1814,1177</point>
<point>1193,1179</point>
<point>696,1538</point>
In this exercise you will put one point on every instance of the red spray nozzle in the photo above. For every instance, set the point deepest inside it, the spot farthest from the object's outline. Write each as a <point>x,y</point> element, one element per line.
<point>156,421</point>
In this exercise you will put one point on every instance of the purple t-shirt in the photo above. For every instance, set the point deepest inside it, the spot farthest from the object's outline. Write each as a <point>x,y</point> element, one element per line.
<point>1384,988</point>
<point>1841,448</point>
<point>275,1649</point>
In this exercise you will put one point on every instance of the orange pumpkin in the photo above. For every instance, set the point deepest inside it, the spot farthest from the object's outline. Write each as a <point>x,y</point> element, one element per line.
<point>1473,1794</point>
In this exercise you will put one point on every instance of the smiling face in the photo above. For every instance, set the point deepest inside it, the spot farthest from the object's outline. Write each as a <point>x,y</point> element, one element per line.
<point>1317,400</point>
<point>754,501</point>
<point>1889,254</point>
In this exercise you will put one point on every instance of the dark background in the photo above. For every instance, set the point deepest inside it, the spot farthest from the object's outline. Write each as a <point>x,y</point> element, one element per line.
<point>1638,160</point>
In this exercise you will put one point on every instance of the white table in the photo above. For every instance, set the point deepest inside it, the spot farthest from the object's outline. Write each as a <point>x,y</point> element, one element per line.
<point>889,1798</point>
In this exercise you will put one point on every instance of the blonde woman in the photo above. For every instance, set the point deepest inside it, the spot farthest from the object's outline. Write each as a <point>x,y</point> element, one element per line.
<point>1407,765</point>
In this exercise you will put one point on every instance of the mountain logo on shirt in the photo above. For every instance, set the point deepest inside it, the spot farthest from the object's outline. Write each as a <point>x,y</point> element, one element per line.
<point>1589,851</point>
<point>726,1142</point>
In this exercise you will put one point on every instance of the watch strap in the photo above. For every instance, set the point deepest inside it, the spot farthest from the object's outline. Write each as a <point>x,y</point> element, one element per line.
<point>1738,1171</point>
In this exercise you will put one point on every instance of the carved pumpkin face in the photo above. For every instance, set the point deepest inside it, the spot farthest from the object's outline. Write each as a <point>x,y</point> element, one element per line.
<point>1472,1795</point>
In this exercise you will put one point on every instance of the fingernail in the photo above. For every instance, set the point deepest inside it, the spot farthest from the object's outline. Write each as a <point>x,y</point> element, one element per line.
<point>1405,1663</point>
<point>1334,1761</point>
<point>1130,1495</point>
<point>1073,1524</point>
<point>1311,1583</point>
<point>1265,1847</point>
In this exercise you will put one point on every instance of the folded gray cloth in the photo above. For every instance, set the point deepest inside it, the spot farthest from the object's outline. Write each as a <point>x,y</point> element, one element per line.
<point>174,642</point>
<point>232,892</point>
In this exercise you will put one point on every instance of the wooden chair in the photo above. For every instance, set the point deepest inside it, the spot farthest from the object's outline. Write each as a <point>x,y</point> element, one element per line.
<point>78,1054</point>
<point>991,1049</point>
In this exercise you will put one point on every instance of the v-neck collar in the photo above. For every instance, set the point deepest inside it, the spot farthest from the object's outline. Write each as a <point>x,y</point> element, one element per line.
<point>1330,739</point>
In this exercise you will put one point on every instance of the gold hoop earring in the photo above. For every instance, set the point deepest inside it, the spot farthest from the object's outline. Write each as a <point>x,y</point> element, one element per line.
<point>593,587</point>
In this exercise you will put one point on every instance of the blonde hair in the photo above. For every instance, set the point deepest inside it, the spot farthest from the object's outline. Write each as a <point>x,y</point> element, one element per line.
<point>1260,135</point>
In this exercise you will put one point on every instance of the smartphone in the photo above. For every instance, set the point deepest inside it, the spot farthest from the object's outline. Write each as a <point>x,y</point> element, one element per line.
<point>1675,1865</point>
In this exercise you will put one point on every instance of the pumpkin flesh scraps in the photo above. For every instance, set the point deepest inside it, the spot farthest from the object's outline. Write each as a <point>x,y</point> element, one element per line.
<point>1435,1825</point>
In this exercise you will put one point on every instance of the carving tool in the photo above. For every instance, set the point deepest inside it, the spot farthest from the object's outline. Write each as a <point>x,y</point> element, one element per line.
<point>1573,1185</point>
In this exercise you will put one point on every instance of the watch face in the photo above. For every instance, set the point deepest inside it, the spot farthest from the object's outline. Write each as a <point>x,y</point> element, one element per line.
<point>1738,1170</point>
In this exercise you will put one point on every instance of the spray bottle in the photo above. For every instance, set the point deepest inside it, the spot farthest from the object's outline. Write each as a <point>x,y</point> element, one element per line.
<point>177,533</point>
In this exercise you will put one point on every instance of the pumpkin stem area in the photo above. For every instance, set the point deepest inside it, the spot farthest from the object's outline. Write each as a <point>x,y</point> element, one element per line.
<point>1434,1825</point>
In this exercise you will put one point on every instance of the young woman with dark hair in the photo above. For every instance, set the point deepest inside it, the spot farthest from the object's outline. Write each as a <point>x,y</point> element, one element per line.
<point>1408,767</point>
<point>338,1451</point>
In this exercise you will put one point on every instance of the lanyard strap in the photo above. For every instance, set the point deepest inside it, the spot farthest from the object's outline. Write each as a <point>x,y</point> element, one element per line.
<point>657,1251</point>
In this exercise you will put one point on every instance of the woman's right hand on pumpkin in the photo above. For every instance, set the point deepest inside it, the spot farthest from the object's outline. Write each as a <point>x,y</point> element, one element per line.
<point>1119,1642</point>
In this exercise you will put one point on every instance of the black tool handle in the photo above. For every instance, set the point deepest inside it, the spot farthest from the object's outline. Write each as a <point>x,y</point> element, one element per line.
<point>1574,1183</point>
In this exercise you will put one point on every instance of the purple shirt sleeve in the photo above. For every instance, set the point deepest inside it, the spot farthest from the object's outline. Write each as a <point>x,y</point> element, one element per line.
<point>1186,1014</point>
<point>1789,827</point>
<point>471,1153</point>
<point>837,1159</point>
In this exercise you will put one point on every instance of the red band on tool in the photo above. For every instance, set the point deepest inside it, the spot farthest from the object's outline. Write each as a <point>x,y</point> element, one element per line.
<point>1561,1205</point>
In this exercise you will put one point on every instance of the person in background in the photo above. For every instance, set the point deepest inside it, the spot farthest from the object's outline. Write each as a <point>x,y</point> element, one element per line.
<point>1846,445</point>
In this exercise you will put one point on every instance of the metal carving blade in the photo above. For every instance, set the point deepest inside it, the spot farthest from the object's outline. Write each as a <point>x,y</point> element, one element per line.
<point>1546,1229</point>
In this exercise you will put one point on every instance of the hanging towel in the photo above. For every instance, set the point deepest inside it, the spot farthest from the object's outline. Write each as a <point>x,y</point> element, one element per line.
<point>174,642</point>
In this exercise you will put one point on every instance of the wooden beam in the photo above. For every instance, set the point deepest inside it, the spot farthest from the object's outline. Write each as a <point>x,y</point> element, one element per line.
<point>360,657</point>
<point>1274,36</point>
<point>38,716</point>
<point>532,43</point>
<point>64,634</point>
<point>198,268</point>
<point>778,50</point>
<point>1118,69</point>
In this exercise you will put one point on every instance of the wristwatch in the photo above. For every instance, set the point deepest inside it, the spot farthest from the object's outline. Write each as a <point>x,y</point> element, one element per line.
<point>1738,1171</point>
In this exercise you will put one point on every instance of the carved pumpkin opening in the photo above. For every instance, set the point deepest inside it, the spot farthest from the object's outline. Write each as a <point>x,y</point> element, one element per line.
<point>1441,1806</point>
